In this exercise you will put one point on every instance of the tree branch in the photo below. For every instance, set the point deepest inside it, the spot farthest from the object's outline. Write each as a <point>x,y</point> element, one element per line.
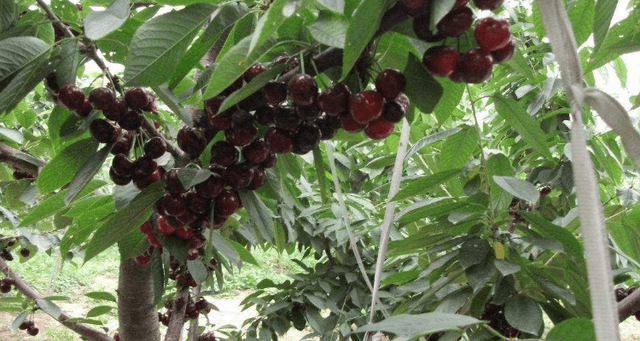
<point>56,21</point>
<point>28,291</point>
<point>629,305</point>
<point>19,160</point>
<point>174,330</point>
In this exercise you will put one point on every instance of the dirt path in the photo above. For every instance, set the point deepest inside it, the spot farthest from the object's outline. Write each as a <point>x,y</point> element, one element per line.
<point>229,313</point>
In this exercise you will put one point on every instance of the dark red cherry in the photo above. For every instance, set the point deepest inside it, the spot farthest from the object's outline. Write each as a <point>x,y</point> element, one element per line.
<point>258,179</point>
<point>264,115</point>
<point>350,125</point>
<point>174,204</point>
<point>393,111</point>
<point>71,96</point>
<point>196,203</point>
<point>122,165</point>
<point>137,98</point>
<point>103,98</point>
<point>475,66</point>
<point>269,162</point>
<point>224,153</point>
<point>190,140</point>
<point>117,179</point>
<point>456,22</point>
<point>253,101</point>
<point>328,126</point>
<point>85,110</point>
<point>226,203</point>
<point>490,5</point>
<point>119,110</point>
<point>286,118</point>
<point>422,29</point>
<point>505,53</point>
<point>211,187</point>
<point>309,112</point>
<point>104,131</point>
<point>255,69</point>
<point>366,106</point>
<point>132,120</point>
<point>492,34</point>
<point>303,89</point>
<point>172,181</point>
<point>275,92</point>
<point>238,175</point>
<point>123,144</point>
<point>378,129</point>
<point>155,147</point>
<point>212,105</point>
<point>390,83</point>
<point>441,60</point>
<point>144,166</point>
<point>33,331</point>
<point>256,152</point>
<point>335,99</point>
<point>279,141</point>
<point>306,138</point>
<point>221,121</point>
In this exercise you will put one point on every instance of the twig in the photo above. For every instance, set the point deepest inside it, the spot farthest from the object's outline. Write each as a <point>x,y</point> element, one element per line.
<point>56,21</point>
<point>19,160</point>
<point>28,291</point>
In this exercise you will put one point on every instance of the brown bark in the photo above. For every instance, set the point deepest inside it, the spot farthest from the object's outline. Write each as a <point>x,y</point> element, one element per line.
<point>137,315</point>
<point>19,160</point>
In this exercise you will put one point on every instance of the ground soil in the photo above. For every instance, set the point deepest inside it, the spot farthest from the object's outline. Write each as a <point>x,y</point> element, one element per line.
<point>229,313</point>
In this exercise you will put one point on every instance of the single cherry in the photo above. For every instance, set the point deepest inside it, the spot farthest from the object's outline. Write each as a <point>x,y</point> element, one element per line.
<point>328,126</point>
<point>226,203</point>
<point>286,118</point>
<point>71,96</point>
<point>264,115</point>
<point>238,175</point>
<point>132,120</point>
<point>441,60</point>
<point>303,89</point>
<point>155,147</point>
<point>85,109</point>
<point>306,138</point>
<point>104,131</point>
<point>475,66</point>
<point>490,5</point>
<point>456,22</point>
<point>492,34</point>
<point>390,82</point>
<point>122,165</point>
<point>275,92</point>
<point>505,53</point>
<point>366,106</point>
<point>190,140</point>
<point>378,129</point>
<point>224,153</point>
<point>279,141</point>
<point>103,98</point>
<point>137,98</point>
<point>255,69</point>
<point>256,152</point>
<point>422,29</point>
<point>335,99</point>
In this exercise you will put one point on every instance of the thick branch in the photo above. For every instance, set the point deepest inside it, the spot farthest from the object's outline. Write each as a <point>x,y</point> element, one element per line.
<point>629,305</point>
<point>28,291</point>
<point>19,160</point>
<point>137,315</point>
<point>174,330</point>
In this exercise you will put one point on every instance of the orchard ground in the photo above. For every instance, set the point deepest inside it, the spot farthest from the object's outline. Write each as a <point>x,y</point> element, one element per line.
<point>101,275</point>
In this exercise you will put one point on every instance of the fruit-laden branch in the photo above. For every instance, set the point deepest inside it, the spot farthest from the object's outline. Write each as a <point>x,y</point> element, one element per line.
<point>28,291</point>
<point>629,305</point>
<point>176,323</point>
<point>19,160</point>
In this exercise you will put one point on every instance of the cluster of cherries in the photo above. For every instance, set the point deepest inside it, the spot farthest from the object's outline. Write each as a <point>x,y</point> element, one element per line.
<point>192,311</point>
<point>30,327</point>
<point>8,244</point>
<point>6,284</point>
<point>19,175</point>
<point>493,36</point>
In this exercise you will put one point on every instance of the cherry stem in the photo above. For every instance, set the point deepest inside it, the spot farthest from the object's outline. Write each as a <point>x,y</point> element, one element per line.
<point>29,292</point>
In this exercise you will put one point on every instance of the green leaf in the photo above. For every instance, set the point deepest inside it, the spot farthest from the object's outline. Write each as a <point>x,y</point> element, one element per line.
<point>100,24</point>
<point>514,114</point>
<point>62,168</point>
<point>99,310</point>
<point>121,222</point>
<point>23,82</point>
<point>505,267</point>
<point>54,204</point>
<point>524,314</point>
<point>622,38</point>
<point>234,63</point>
<point>410,326</point>
<point>244,254</point>
<point>519,188</point>
<point>473,252</point>
<point>190,177</point>
<point>458,148</point>
<point>581,15</point>
<point>602,20</point>
<point>173,102</point>
<point>569,242</point>
<point>425,184</point>
<point>427,140</point>
<point>330,29</point>
<point>133,244</point>
<point>259,213</point>
<point>268,23</point>
<point>12,135</point>
<point>158,45</point>
<point>440,8</point>
<point>221,244</point>
<point>256,84</point>
<point>18,52</point>
<point>20,318</point>
<point>157,273</point>
<point>49,307</point>
<point>333,5</point>
<point>400,278</point>
<point>363,24</point>
<point>117,42</point>
<point>198,270</point>
<point>102,296</point>
<point>225,17</point>
<point>428,208</point>
<point>574,329</point>
<point>86,173</point>
<point>67,56</point>
<point>8,12</point>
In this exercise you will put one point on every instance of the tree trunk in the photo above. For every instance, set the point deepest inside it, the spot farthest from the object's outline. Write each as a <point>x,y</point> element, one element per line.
<point>137,316</point>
